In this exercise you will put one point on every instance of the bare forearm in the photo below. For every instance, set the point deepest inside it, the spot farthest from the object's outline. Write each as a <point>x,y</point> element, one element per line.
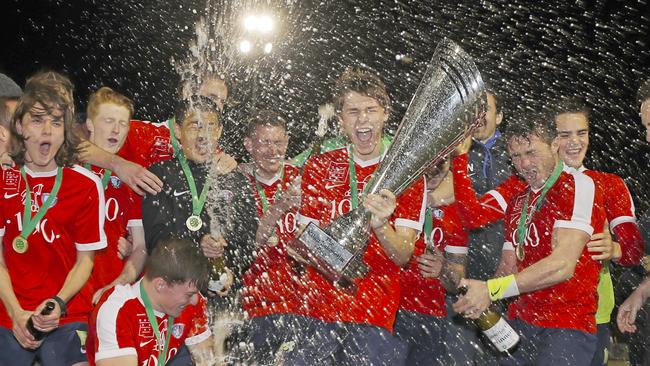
<point>77,276</point>
<point>7,294</point>
<point>545,273</point>
<point>397,245</point>
<point>453,270</point>
<point>644,288</point>
<point>133,267</point>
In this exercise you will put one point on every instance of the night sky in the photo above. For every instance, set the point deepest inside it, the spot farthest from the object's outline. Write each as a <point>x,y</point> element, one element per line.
<point>531,52</point>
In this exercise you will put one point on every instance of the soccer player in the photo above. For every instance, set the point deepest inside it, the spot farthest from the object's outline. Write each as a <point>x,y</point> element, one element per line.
<point>149,322</point>
<point>52,218</point>
<point>572,123</point>
<point>148,143</point>
<point>108,118</point>
<point>421,320</point>
<point>545,261</point>
<point>354,329</point>
<point>189,183</point>
<point>271,296</point>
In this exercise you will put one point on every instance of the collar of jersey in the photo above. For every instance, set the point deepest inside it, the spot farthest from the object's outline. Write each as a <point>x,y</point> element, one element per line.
<point>271,180</point>
<point>367,163</point>
<point>136,287</point>
<point>34,174</point>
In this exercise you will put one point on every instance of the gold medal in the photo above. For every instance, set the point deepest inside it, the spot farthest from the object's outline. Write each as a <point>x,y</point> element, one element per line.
<point>193,223</point>
<point>272,240</point>
<point>20,244</point>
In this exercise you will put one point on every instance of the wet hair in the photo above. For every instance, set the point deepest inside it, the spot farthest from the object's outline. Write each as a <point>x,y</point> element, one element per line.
<point>195,81</point>
<point>6,114</point>
<point>264,118</point>
<point>178,261</point>
<point>572,104</point>
<point>106,95</point>
<point>531,124</point>
<point>644,92</point>
<point>196,103</point>
<point>363,82</point>
<point>51,95</point>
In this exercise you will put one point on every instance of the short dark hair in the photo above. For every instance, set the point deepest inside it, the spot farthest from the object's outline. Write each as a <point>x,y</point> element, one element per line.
<point>177,261</point>
<point>498,101</point>
<point>264,118</point>
<point>572,104</point>
<point>6,115</point>
<point>644,92</point>
<point>51,94</point>
<point>363,82</point>
<point>529,124</point>
<point>196,102</point>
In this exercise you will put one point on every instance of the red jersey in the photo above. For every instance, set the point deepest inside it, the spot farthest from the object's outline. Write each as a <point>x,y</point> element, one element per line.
<point>619,209</point>
<point>326,196</point>
<point>75,222</point>
<point>491,207</point>
<point>123,210</point>
<point>573,202</point>
<point>120,327</point>
<point>427,295</point>
<point>147,143</point>
<point>270,287</point>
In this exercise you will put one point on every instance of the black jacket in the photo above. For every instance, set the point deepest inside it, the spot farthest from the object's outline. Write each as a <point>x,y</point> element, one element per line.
<point>230,201</point>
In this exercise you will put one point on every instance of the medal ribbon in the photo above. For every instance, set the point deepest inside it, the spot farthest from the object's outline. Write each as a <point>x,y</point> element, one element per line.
<point>105,178</point>
<point>29,223</point>
<point>197,201</point>
<point>524,218</point>
<point>354,185</point>
<point>162,354</point>
<point>262,194</point>
<point>428,226</point>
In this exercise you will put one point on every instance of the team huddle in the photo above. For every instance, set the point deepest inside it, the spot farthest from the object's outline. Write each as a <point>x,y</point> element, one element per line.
<point>127,242</point>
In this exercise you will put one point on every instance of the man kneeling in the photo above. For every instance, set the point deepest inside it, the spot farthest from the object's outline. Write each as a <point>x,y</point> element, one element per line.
<point>151,319</point>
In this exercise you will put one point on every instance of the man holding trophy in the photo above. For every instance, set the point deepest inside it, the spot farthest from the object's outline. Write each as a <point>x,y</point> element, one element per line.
<point>333,184</point>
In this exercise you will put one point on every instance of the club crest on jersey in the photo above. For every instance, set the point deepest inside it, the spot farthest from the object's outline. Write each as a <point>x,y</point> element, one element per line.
<point>44,198</point>
<point>11,179</point>
<point>116,182</point>
<point>438,214</point>
<point>177,330</point>
<point>225,195</point>
<point>336,174</point>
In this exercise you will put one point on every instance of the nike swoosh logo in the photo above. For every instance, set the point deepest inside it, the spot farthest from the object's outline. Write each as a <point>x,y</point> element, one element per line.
<point>142,344</point>
<point>328,186</point>
<point>7,196</point>
<point>176,194</point>
<point>494,293</point>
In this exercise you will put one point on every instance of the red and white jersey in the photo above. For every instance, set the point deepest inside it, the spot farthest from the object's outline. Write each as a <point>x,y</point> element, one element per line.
<point>573,202</point>
<point>270,287</point>
<point>75,222</point>
<point>120,327</point>
<point>147,143</point>
<point>427,295</point>
<point>123,210</point>
<point>326,196</point>
<point>619,209</point>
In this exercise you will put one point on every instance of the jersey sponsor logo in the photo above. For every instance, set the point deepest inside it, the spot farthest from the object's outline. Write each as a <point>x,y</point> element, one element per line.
<point>144,328</point>
<point>11,179</point>
<point>532,237</point>
<point>177,330</point>
<point>177,193</point>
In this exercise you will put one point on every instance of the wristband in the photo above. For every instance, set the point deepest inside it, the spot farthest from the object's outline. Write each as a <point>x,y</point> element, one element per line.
<point>62,305</point>
<point>502,287</point>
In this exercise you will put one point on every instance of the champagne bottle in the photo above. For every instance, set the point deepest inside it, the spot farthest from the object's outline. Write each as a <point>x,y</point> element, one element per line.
<point>218,276</point>
<point>496,329</point>
<point>47,310</point>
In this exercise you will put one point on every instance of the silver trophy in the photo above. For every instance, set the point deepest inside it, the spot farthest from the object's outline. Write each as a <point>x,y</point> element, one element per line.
<point>441,114</point>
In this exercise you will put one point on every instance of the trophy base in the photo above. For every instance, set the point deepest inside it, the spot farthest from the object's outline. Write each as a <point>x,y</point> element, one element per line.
<point>330,258</point>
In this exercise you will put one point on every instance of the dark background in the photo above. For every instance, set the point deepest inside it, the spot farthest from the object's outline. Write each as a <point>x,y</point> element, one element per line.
<point>528,51</point>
